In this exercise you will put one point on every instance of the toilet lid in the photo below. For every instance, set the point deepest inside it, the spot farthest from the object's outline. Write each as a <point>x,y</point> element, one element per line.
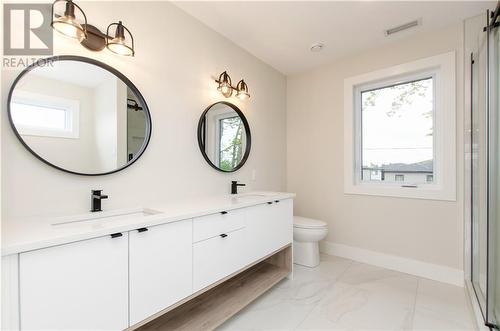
<point>308,223</point>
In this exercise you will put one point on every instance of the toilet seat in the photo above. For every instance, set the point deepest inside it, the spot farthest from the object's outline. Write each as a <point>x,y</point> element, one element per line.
<point>308,223</point>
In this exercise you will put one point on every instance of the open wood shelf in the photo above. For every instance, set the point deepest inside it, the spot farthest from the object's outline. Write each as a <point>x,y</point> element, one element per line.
<point>214,307</point>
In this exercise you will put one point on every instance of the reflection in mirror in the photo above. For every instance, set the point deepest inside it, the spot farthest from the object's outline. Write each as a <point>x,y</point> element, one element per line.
<point>81,117</point>
<point>224,136</point>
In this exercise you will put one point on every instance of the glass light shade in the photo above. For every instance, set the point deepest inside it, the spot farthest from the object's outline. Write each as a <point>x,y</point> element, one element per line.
<point>242,89</point>
<point>242,95</point>
<point>118,46</point>
<point>225,89</point>
<point>69,27</point>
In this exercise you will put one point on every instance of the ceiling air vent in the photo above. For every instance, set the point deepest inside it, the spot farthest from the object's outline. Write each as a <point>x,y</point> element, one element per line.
<point>402,27</point>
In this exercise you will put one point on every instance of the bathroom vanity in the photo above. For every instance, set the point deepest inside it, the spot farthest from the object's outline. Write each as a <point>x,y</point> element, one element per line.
<point>188,265</point>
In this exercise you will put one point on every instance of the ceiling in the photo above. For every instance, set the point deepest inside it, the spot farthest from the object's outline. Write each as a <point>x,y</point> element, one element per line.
<point>281,33</point>
<point>77,73</point>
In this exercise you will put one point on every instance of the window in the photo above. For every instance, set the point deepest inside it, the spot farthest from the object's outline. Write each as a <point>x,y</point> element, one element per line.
<point>230,142</point>
<point>43,115</point>
<point>400,130</point>
<point>396,135</point>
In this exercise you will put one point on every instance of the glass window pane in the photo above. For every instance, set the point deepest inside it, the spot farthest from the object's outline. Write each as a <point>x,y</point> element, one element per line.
<point>38,117</point>
<point>397,133</point>
<point>231,130</point>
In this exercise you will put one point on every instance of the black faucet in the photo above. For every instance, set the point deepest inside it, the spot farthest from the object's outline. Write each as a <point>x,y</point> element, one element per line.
<point>96,200</point>
<point>234,186</point>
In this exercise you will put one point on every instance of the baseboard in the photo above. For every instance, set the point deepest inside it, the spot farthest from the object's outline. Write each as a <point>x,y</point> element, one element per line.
<point>410,266</point>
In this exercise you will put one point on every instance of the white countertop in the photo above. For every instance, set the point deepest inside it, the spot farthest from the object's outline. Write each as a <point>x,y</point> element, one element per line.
<point>41,232</point>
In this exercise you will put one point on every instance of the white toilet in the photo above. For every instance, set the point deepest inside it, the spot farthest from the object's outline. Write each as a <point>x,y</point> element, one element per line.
<point>307,233</point>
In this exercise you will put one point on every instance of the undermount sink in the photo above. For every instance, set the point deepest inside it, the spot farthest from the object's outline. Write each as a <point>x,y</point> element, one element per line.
<point>249,196</point>
<point>107,216</point>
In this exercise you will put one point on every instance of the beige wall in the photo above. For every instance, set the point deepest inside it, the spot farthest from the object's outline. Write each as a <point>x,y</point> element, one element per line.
<point>176,60</point>
<point>425,230</point>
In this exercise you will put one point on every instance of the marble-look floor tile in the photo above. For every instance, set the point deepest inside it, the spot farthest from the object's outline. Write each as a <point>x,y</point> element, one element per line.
<point>443,306</point>
<point>344,295</point>
<point>286,306</point>
<point>282,308</point>
<point>366,298</point>
<point>426,319</point>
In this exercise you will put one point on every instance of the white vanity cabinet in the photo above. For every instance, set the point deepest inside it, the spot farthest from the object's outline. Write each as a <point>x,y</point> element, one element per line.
<point>81,285</point>
<point>219,247</point>
<point>160,267</point>
<point>269,227</point>
<point>239,238</point>
<point>165,268</point>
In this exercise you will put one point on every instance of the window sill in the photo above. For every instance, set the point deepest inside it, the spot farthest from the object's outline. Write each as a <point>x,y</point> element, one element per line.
<point>425,192</point>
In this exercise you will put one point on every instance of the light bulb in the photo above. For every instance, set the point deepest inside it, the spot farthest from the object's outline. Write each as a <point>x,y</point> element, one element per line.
<point>69,27</point>
<point>242,95</point>
<point>118,46</point>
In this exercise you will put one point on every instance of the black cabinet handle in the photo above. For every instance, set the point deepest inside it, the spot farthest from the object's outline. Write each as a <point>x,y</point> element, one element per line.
<point>223,235</point>
<point>223,212</point>
<point>116,235</point>
<point>142,230</point>
<point>276,201</point>
<point>269,202</point>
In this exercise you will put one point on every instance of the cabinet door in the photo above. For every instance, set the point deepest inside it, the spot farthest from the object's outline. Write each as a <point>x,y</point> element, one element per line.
<point>270,227</point>
<point>283,216</point>
<point>77,286</point>
<point>218,257</point>
<point>160,268</point>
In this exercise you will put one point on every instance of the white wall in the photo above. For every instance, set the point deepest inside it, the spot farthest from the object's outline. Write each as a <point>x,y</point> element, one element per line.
<point>423,230</point>
<point>176,60</point>
<point>106,125</point>
<point>85,143</point>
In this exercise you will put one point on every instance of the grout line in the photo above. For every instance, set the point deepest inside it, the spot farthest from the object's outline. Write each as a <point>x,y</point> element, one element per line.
<point>414,304</point>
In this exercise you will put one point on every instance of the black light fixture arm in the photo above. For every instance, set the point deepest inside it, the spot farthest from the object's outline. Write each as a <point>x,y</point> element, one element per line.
<point>230,85</point>
<point>69,3</point>
<point>492,18</point>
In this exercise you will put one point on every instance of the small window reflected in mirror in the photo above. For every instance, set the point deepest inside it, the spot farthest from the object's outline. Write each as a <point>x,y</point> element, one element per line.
<point>224,137</point>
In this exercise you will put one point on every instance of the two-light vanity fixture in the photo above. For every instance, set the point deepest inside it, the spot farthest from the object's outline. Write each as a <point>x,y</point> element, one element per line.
<point>226,89</point>
<point>64,20</point>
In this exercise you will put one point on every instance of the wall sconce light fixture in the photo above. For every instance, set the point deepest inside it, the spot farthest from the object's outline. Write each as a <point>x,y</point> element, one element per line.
<point>226,88</point>
<point>66,22</point>
<point>118,44</point>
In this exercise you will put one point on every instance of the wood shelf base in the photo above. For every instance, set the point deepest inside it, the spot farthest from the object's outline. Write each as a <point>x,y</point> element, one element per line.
<point>213,307</point>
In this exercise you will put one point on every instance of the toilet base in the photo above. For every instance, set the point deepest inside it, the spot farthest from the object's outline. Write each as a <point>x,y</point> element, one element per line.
<point>306,253</point>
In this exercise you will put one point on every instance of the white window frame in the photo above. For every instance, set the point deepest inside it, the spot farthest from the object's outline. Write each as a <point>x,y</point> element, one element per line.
<point>442,69</point>
<point>70,106</point>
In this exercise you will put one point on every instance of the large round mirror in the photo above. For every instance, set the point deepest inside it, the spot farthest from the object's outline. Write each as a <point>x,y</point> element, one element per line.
<point>79,115</point>
<point>224,136</point>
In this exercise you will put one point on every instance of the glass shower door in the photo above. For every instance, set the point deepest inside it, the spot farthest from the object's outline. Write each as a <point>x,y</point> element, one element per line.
<point>493,283</point>
<point>479,168</point>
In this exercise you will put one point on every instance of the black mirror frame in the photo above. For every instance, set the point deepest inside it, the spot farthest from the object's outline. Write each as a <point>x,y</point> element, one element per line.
<point>104,66</point>
<point>201,144</point>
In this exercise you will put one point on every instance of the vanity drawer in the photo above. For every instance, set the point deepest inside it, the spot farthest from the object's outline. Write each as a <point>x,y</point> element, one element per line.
<point>210,226</point>
<point>218,257</point>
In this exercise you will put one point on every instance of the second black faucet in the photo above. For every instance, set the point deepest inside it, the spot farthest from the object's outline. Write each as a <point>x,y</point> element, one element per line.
<point>234,186</point>
<point>96,198</point>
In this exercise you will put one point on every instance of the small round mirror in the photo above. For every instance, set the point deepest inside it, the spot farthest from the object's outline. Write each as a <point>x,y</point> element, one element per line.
<point>79,115</point>
<point>224,136</point>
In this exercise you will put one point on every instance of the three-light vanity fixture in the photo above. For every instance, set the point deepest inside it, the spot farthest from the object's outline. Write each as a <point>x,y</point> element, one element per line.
<point>65,21</point>
<point>226,88</point>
